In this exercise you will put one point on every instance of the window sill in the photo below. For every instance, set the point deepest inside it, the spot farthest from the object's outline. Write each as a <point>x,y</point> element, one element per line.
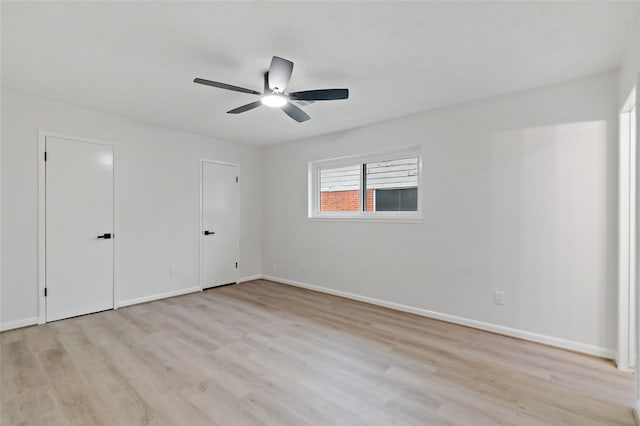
<point>383,219</point>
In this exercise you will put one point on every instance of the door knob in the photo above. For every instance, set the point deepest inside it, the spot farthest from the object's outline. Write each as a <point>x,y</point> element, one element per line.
<point>105,236</point>
<point>209,232</point>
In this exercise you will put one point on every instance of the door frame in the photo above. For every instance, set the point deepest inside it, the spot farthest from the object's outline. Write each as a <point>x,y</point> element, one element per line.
<point>42,215</point>
<point>201,222</point>
<point>627,239</point>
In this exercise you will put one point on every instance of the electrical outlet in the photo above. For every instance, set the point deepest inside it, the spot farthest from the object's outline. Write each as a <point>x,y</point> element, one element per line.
<point>274,267</point>
<point>172,271</point>
<point>302,264</point>
<point>498,297</point>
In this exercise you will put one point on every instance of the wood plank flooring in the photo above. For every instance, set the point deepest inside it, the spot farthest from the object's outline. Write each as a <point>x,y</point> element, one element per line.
<point>262,353</point>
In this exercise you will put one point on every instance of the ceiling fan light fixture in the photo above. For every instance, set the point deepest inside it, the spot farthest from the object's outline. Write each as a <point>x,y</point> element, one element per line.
<point>274,101</point>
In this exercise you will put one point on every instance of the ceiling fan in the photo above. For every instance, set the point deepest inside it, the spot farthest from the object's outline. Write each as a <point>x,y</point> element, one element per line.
<point>275,82</point>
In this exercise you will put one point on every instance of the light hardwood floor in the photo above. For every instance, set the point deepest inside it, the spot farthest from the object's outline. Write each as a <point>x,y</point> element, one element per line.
<point>266,353</point>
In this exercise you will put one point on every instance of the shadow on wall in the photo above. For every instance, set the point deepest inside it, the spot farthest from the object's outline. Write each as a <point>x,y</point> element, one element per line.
<point>548,222</point>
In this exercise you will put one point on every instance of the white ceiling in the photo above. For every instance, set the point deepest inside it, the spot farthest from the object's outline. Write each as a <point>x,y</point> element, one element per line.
<point>139,59</point>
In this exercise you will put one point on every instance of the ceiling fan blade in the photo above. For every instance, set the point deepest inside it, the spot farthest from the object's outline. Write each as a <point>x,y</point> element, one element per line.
<point>296,113</point>
<point>245,108</point>
<point>266,83</point>
<point>279,73</point>
<point>225,86</point>
<point>320,95</point>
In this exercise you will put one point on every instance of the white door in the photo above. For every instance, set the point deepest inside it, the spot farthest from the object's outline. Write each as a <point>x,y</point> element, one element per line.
<point>219,232</point>
<point>79,228</point>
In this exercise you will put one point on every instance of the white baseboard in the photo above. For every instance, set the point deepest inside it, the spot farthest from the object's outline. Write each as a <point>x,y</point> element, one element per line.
<point>10,325</point>
<point>626,368</point>
<point>34,320</point>
<point>159,296</point>
<point>250,278</point>
<point>494,328</point>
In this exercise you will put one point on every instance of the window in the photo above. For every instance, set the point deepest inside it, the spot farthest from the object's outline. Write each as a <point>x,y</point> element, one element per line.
<point>392,185</point>
<point>396,200</point>
<point>374,187</point>
<point>340,189</point>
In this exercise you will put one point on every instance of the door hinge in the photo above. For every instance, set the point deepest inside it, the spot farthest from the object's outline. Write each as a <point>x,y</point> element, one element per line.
<point>45,156</point>
<point>45,292</point>
<point>236,179</point>
<point>236,265</point>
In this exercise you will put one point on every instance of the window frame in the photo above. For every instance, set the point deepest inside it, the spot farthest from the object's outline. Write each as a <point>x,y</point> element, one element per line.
<point>314,168</point>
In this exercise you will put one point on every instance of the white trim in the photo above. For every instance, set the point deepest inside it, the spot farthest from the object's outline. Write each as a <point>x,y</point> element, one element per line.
<point>627,238</point>
<point>637,218</point>
<point>494,328</point>
<point>636,414</point>
<point>201,225</point>
<point>250,278</point>
<point>365,219</point>
<point>19,323</point>
<point>159,296</point>
<point>42,220</point>
<point>367,158</point>
<point>116,233</point>
<point>624,240</point>
<point>42,135</point>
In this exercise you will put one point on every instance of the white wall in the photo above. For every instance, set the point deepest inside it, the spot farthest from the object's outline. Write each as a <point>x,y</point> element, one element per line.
<point>157,199</point>
<point>629,67</point>
<point>519,195</point>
